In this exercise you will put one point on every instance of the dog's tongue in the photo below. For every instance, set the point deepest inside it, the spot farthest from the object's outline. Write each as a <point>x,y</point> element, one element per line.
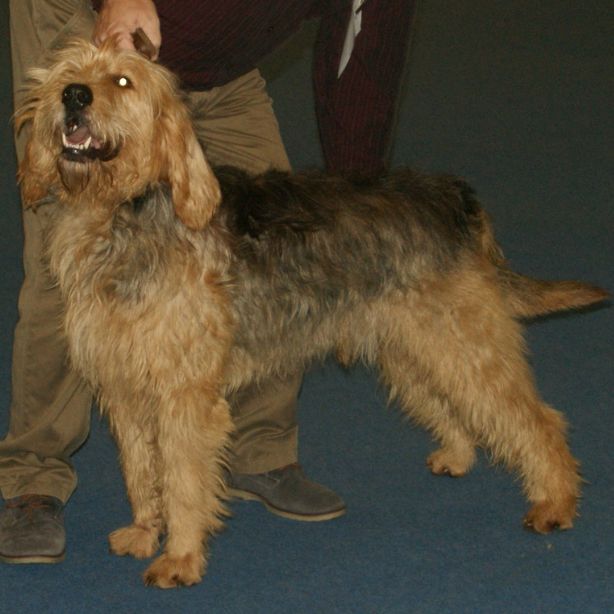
<point>79,136</point>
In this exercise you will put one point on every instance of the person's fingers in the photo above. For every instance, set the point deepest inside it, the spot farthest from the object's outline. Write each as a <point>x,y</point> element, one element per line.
<point>125,40</point>
<point>121,36</point>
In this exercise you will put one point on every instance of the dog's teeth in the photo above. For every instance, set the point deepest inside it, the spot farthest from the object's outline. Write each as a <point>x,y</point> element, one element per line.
<point>85,145</point>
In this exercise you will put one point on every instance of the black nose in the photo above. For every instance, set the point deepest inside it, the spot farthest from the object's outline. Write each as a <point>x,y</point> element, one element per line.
<point>76,96</point>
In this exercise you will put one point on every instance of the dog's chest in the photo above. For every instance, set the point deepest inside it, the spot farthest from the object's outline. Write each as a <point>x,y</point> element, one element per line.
<point>138,306</point>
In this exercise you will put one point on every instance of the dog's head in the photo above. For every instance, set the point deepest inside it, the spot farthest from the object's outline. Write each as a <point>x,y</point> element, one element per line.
<point>106,125</point>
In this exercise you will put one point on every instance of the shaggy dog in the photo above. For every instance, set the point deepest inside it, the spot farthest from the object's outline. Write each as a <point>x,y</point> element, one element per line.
<point>182,284</point>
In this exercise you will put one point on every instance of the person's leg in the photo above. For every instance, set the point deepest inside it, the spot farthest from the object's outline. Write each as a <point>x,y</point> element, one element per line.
<point>50,409</point>
<point>236,125</point>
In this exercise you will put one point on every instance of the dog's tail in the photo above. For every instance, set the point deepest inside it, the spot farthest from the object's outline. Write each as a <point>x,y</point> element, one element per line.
<point>529,297</point>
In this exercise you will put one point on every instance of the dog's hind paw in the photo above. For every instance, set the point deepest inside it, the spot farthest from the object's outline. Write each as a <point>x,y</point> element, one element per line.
<point>452,462</point>
<point>545,517</point>
<point>169,571</point>
<point>139,542</point>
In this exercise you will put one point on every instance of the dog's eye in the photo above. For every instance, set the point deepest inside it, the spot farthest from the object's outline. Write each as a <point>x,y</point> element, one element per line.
<point>122,81</point>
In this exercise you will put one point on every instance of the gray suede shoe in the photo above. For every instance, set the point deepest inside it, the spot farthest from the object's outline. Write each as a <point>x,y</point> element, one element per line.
<point>32,530</point>
<point>289,493</point>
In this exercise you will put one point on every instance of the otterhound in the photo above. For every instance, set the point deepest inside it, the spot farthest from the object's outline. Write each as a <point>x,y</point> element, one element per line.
<point>182,284</point>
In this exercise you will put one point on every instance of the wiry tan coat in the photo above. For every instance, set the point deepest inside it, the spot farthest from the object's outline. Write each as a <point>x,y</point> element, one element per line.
<point>181,284</point>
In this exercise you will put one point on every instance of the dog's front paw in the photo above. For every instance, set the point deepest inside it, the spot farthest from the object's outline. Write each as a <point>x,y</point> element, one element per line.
<point>546,516</point>
<point>169,571</point>
<point>452,462</point>
<point>139,542</point>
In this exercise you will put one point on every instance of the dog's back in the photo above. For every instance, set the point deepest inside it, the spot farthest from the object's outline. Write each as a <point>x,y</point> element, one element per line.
<point>343,239</point>
<point>276,209</point>
<point>339,235</point>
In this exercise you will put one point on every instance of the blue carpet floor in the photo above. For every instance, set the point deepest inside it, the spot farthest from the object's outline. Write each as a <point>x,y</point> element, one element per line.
<point>517,97</point>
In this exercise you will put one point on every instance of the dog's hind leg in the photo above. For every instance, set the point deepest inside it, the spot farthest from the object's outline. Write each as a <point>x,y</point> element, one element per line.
<point>456,456</point>
<point>193,434</point>
<point>460,333</point>
<point>429,409</point>
<point>138,456</point>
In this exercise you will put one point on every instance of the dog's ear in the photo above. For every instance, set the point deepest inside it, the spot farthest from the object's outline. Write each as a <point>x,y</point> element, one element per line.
<point>35,175</point>
<point>37,170</point>
<point>195,190</point>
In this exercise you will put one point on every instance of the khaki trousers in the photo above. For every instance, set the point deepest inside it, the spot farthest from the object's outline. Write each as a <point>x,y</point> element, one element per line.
<point>51,405</point>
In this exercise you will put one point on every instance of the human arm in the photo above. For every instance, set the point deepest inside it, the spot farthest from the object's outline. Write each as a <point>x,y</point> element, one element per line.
<point>121,18</point>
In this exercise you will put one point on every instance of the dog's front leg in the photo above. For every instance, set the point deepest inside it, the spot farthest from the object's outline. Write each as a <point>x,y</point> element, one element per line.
<point>136,439</point>
<point>193,435</point>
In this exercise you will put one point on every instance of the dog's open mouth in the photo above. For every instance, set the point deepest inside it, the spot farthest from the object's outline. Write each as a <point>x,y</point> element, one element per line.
<point>80,145</point>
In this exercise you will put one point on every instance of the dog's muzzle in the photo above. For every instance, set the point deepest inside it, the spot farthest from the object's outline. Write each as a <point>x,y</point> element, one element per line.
<point>79,144</point>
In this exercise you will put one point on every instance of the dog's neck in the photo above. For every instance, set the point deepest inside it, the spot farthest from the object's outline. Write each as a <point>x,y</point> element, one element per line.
<point>139,202</point>
<point>152,210</point>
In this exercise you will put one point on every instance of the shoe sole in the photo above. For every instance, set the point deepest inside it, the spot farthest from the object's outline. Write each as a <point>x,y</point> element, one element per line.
<point>246,495</point>
<point>35,558</point>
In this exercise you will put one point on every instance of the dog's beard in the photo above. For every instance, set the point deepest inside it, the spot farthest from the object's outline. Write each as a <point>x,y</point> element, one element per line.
<point>75,176</point>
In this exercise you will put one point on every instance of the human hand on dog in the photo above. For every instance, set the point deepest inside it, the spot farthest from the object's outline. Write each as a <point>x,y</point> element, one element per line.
<point>121,19</point>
